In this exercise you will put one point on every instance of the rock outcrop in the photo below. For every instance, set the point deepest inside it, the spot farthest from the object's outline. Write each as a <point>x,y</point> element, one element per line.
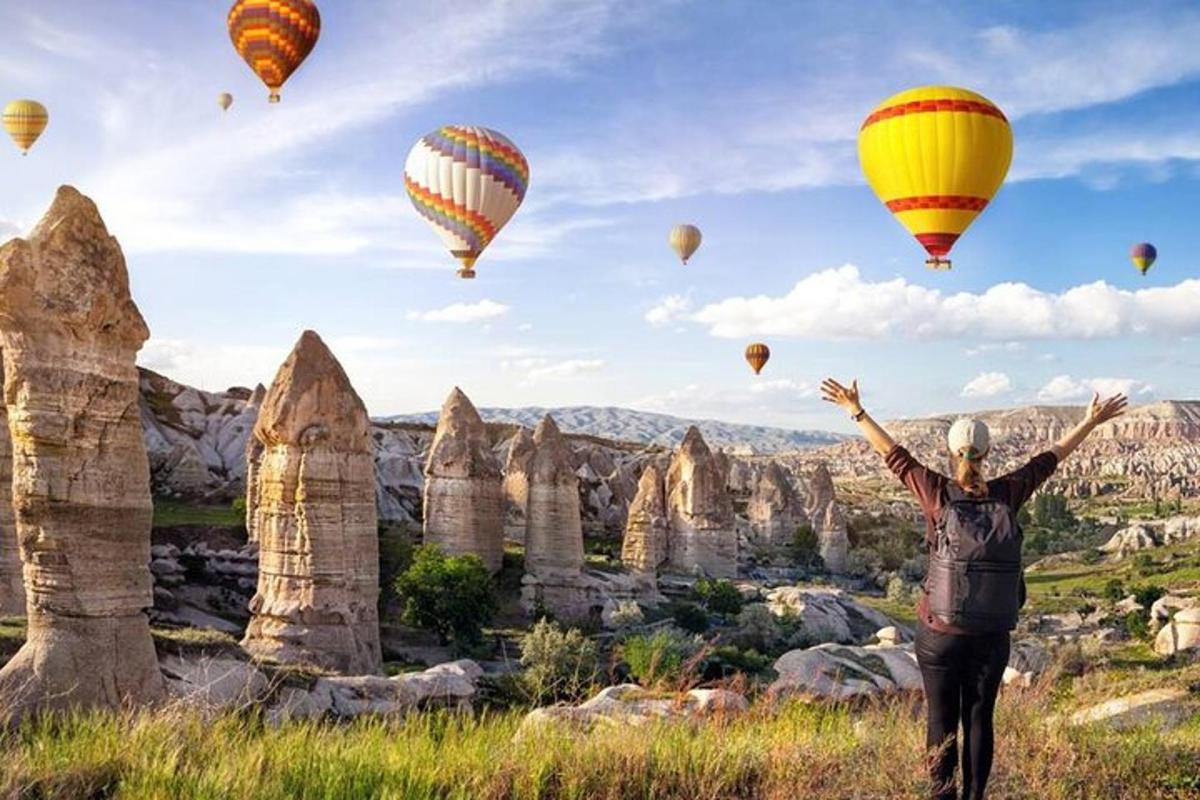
<point>1147,534</point>
<point>644,548</point>
<point>775,509</point>
<point>70,333</point>
<point>315,520</point>
<point>554,538</point>
<point>1180,634</point>
<point>827,520</point>
<point>827,615</point>
<point>703,537</point>
<point>464,492</point>
<point>12,586</point>
<point>516,484</point>
<point>836,672</point>
<point>1162,708</point>
<point>617,707</point>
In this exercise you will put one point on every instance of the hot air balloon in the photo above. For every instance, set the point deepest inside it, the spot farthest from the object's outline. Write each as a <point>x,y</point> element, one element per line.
<point>685,240</point>
<point>467,182</point>
<point>274,37</point>
<point>224,100</point>
<point>757,355</point>
<point>935,156</point>
<point>25,120</point>
<point>1142,255</point>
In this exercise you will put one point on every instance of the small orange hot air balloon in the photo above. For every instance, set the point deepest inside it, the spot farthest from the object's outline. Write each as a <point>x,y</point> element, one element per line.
<point>274,37</point>
<point>757,355</point>
<point>935,156</point>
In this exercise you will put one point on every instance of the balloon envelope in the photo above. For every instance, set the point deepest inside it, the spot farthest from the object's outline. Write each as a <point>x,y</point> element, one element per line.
<point>467,182</point>
<point>225,100</point>
<point>685,240</point>
<point>935,156</point>
<point>274,37</point>
<point>1143,255</point>
<point>757,355</point>
<point>25,120</point>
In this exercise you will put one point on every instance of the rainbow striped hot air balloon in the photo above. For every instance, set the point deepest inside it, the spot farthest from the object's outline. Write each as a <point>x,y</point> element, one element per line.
<point>274,37</point>
<point>467,182</point>
<point>935,156</point>
<point>1143,255</point>
<point>25,120</point>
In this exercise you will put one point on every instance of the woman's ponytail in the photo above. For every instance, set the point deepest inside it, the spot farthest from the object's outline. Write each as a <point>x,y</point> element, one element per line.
<point>969,477</point>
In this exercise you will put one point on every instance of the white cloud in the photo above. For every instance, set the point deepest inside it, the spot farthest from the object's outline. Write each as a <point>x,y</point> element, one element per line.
<point>1064,388</point>
<point>987,384</point>
<point>525,327</point>
<point>670,309</point>
<point>988,348</point>
<point>461,312</point>
<point>840,304</point>
<point>784,386</point>
<point>9,230</point>
<point>566,369</point>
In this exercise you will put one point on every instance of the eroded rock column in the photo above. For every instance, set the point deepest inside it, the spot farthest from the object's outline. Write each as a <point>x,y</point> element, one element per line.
<point>516,485</point>
<point>70,332</point>
<point>464,495</point>
<point>703,537</point>
<point>775,510</point>
<point>828,521</point>
<point>554,542</point>
<point>644,548</point>
<point>315,520</point>
<point>12,587</point>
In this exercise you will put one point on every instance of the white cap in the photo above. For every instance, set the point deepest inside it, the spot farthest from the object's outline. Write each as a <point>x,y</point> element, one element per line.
<point>969,438</point>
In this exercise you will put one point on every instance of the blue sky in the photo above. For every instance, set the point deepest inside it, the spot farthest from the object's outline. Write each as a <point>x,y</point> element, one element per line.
<point>243,229</point>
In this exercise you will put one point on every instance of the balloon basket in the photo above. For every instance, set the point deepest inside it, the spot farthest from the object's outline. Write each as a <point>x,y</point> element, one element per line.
<point>466,274</point>
<point>939,264</point>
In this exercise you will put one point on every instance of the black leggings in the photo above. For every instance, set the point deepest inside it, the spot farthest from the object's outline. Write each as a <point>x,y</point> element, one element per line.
<point>962,676</point>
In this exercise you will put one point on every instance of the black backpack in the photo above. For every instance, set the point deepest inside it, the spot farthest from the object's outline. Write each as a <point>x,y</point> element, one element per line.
<point>975,580</point>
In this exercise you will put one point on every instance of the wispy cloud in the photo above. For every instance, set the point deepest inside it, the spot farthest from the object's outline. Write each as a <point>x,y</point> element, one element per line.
<point>566,369</point>
<point>1063,388</point>
<point>840,304</point>
<point>987,384</point>
<point>461,312</point>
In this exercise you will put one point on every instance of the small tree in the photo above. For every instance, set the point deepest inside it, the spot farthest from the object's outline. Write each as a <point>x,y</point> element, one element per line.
<point>449,595</point>
<point>719,596</point>
<point>806,548</point>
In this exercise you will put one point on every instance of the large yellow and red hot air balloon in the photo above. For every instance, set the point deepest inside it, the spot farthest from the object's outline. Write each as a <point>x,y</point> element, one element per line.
<point>467,182</point>
<point>935,156</point>
<point>274,37</point>
<point>757,355</point>
<point>25,120</point>
<point>685,241</point>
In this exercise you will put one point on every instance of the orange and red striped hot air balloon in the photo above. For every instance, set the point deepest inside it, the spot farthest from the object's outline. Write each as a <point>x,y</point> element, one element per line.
<point>274,37</point>
<point>757,356</point>
<point>935,156</point>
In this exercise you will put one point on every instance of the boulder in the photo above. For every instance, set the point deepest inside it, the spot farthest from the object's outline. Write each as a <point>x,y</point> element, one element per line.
<point>827,615</point>
<point>214,683</point>
<point>464,494</point>
<point>1027,660</point>
<point>1180,634</point>
<point>836,672</point>
<point>1164,708</point>
<point>702,537</point>
<point>631,705</point>
<point>1130,539</point>
<point>315,520</point>
<point>70,333</point>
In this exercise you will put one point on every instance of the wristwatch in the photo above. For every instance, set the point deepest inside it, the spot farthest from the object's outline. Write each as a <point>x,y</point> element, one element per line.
<point>862,412</point>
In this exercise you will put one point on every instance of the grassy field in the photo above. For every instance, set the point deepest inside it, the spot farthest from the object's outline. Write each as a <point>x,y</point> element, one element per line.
<point>169,513</point>
<point>1065,587</point>
<point>798,750</point>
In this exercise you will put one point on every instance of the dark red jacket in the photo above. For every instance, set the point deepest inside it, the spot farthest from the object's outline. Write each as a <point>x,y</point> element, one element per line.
<point>929,487</point>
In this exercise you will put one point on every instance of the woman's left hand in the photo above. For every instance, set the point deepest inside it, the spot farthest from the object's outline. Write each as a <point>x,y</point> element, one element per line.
<point>1100,412</point>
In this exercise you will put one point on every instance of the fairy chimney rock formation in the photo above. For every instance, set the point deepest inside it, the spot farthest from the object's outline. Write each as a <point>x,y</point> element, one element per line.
<point>464,493</point>
<point>554,540</point>
<point>516,484</point>
<point>775,510</point>
<point>315,520</point>
<point>827,521</point>
<point>645,546</point>
<point>12,587</point>
<point>703,537</point>
<point>70,333</point>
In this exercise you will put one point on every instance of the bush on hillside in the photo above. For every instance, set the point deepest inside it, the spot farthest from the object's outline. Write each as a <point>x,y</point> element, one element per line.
<point>719,596</point>
<point>691,617</point>
<point>452,596</point>
<point>666,656</point>
<point>559,665</point>
<point>806,548</point>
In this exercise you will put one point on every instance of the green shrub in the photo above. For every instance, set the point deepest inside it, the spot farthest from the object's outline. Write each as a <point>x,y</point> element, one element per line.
<point>1114,590</point>
<point>726,660</point>
<point>559,665</point>
<point>239,505</point>
<point>1051,511</point>
<point>758,628</point>
<point>806,548</point>
<point>664,656</point>
<point>451,596</point>
<point>1147,595</point>
<point>690,617</point>
<point>1136,625</point>
<point>719,596</point>
<point>395,556</point>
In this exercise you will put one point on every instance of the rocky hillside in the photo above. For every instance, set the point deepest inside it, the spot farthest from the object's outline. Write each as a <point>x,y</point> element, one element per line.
<point>627,425</point>
<point>1152,451</point>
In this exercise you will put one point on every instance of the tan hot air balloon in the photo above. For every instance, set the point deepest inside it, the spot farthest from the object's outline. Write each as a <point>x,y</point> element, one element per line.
<point>685,240</point>
<point>757,355</point>
<point>225,100</point>
<point>25,120</point>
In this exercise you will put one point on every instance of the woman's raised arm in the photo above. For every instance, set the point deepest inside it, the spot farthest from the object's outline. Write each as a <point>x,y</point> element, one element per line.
<point>847,397</point>
<point>1098,412</point>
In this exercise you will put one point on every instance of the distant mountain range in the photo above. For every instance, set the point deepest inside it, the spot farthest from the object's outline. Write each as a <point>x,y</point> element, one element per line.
<point>658,429</point>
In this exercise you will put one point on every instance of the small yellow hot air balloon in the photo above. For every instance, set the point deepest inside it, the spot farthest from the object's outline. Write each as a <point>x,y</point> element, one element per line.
<point>757,355</point>
<point>25,120</point>
<point>685,240</point>
<point>935,156</point>
<point>274,37</point>
<point>225,100</point>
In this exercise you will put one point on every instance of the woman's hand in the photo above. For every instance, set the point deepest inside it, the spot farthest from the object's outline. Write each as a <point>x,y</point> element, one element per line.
<point>1100,412</point>
<point>844,396</point>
